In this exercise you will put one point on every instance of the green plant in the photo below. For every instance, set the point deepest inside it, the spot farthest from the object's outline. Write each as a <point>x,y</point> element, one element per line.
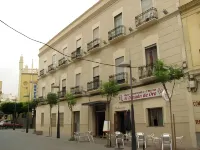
<point>109,89</point>
<point>52,99</point>
<point>165,73</point>
<point>71,101</point>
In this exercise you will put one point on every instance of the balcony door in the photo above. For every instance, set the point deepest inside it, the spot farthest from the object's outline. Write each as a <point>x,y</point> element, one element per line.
<point>96,33</point>
<point>78,47</point>
<point>146,4</point>
<point>63,87</point>
<point>151,54</point>
<point>119,70</point>
<point>54,60</point>
<point>96,77</point>
<point>78,77</point>
<point>118,20</point>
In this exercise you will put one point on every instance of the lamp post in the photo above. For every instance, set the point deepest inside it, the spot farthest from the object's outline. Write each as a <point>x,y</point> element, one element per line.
<point>14,119</point>
<point>133,141</point>
<point>27,115</point>
<point>58,120</point>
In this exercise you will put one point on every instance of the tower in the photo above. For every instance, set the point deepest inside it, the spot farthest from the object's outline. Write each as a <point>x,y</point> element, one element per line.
<point>21,64</point>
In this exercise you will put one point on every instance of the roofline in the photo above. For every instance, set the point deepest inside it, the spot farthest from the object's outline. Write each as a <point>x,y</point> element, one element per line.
<point>51,40</point>
<point>54,40</point>
<point>189,5</point>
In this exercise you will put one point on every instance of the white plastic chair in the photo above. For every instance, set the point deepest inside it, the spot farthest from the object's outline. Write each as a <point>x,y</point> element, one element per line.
<point>166,140</point>
<point>179,140</point>
<point>150,137</point>
<point>90,136</point>
<point>79,135</point>
<point>141,138</point>
<point>119,138</point>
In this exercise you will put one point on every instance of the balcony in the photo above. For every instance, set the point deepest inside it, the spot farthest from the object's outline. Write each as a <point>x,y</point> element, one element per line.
<point>76,54</point>
<point>93,45</point>
<point>120,78</point>
<point>77,90</point>
<point>51,68</point>
<point>94,86</point>
<point>42,73</point>
<point>62,62</point>
<point>62,94</point>
<point>146,73</point>
<point>117,34</point>
<point>147,18</point>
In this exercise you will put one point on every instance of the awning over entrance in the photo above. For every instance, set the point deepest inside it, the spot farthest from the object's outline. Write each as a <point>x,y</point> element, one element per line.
<point>95,103</point>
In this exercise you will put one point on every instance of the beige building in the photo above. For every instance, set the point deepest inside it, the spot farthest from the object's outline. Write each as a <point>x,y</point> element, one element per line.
<point>111,32</point>
<point>27,82</point>
<point>190,14</point>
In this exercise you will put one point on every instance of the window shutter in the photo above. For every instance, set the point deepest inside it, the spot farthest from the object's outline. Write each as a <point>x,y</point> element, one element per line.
<point>78,79</point>
<point>117,62</point>
<point>78,43</point>
<point>118,20</point>
<point>96,71</point>
<point>146,4</point>
<point>96,33</point>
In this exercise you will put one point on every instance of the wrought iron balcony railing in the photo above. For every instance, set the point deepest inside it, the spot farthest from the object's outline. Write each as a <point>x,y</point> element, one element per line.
<point>51,67</point>
<point>93,44</point>
<point>62,61</point>
<point>42,72</point>
<point>120,78</point>
<point>146,71</point>
<point>76,54</point>
<point>93,85</point>
<point>146,16</point>
<point>116,32</point>
<point>76,90</point>
<point>62,93</point>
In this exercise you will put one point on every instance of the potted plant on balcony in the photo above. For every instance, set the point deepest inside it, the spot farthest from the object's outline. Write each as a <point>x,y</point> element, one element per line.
<point>71,101</point>
<point>165,73</point>
<point>109,89</point>
<point>52,99</point>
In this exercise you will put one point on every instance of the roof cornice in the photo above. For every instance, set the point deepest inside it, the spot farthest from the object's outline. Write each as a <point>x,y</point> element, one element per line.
<point>97,8</point>
<point>189,5</point>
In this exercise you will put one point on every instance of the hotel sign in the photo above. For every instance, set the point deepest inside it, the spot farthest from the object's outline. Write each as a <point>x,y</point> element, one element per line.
<point>141,95</point>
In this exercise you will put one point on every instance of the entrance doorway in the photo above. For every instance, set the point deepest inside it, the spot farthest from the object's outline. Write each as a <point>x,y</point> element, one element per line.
<point>100,117</point>
<point>119,120</point>
<point>77,121</point>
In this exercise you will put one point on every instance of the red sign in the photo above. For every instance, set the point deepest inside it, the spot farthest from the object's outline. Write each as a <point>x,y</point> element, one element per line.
<point>141,95</point>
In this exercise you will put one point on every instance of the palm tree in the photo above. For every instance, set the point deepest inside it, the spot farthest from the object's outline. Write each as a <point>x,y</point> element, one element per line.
<point>71,101</point>
<point>51,100</point>
<point>109,89</point>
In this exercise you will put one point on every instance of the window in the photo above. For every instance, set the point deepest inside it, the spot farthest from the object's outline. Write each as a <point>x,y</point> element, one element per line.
<point>53,119</point>
<point>96,33</point>
<point>54,59</point>
<point>64,85</point>
<point>78,44</point>
<point>42,119</point>
<point>118,61</point>
<point>155,116</point>
<point>95,71</point>
<point>146,4</point>
<point>118,20</point>
<point>96,77</point>
<point>151,54</point>
<point>43,92</point>
<point>62,119</point>
<point>78,76</point>
<point>52,89</point>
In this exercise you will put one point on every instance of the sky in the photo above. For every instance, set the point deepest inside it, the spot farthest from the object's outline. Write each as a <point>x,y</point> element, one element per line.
<point>39,19</point>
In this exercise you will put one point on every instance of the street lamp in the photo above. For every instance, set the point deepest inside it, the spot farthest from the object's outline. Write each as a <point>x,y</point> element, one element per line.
<point>133,141</point>
<point>27,116</point>
<point>58,120</point>
<point>14,115</point>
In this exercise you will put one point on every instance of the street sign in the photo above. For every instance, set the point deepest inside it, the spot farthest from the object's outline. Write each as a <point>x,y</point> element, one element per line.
<point>34,91</point>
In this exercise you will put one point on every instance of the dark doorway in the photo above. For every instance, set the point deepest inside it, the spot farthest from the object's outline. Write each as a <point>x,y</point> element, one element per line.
<point>77,121</point>
<point>119,119</point>
<point>100,117</point>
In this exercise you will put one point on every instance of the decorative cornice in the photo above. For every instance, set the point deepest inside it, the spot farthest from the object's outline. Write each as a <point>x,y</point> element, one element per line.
<point>189,5</point>
<point>77,23</point>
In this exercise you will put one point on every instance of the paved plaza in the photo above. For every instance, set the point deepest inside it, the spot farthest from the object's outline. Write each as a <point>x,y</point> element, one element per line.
<point>18,140</point>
